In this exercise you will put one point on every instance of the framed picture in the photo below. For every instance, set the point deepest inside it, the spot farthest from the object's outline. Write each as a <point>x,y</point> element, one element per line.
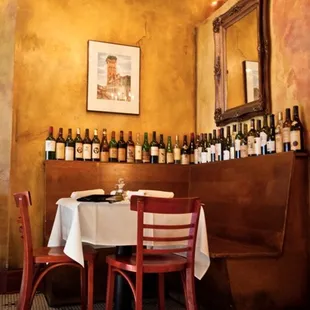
<point>113,78</point>
<point>251,80</point>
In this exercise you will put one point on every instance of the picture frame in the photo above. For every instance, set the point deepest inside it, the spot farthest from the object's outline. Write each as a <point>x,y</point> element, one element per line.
<point>251,80</point>
<point>113,78</point>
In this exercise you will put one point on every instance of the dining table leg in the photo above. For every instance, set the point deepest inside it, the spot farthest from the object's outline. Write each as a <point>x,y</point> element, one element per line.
<point>122,292</point>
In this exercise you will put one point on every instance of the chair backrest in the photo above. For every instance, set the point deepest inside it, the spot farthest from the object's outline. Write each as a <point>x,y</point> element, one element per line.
<point>23,201</point>
<point>186,226</point>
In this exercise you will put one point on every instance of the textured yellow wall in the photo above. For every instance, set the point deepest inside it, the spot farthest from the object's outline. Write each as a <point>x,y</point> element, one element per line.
<point>50,78</point>
<point>290,59</point>
<point>7,29</point>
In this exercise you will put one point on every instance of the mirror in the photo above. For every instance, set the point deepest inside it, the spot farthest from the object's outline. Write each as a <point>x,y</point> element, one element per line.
<point>242,64</point>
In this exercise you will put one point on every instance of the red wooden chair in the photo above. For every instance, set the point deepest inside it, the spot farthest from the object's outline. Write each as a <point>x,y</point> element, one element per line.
<point>155,260</point>
<point>37,263</point>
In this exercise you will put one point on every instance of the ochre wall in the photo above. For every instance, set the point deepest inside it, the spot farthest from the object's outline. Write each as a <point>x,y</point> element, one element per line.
<point>50,79</point>
<point>7,30</point>
<point>290,59</point>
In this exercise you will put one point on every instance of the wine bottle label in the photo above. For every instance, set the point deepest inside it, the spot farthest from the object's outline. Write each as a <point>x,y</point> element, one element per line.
<point>104,157</point>
<point>209,153</point>
<point>199,154</point>
<point>295,140</point>
<point>113,153</point>
<point>271,146</point>
<point>177,154</point>
<point>213,149</point>
<point>279,143</point>
<point>86,151</point>
<point>162,156</point>
<point>95,149</point>
<point>78,150</point>
<point>69,153</point>
<point>121,154</point>
<point>257,146</point>
<point>130,154</point>
<point>251,150</point>
<point>204,157</point>
<point>170,158</point>
<point>138,152</point>
<point>145,156</point>
<point>154,151</point>
<point>226,155</point>
<point>50,146</point>
<point>232,152</point>
<point>196,156</point>
<point>218,151</point>
<point>192,158</point>
<point>263,139</point>
<point>244,151</point>
<point>184,159</point>
<point>237,145</point>
<point>286,134</point>
<point>60,150</point>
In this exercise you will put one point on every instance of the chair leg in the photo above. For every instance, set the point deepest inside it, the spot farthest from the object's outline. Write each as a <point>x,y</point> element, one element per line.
<point>90,284</point>
<point>110,288</point>
<point>183,277</point>
<point>190,290</point>
<point>161,291</point>
<point>83,287</point>
<point>24,301</point>
<point>139,290</point>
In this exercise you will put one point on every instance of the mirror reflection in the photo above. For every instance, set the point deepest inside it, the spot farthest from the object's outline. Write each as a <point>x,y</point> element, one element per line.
<point>242,61</point>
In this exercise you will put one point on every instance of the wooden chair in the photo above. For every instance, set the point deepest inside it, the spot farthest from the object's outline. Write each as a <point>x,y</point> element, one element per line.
<point>155,260</point>
<point>37,263</point>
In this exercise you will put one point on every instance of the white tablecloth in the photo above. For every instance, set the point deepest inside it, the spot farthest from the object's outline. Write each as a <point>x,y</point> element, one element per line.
<point>114,224</point>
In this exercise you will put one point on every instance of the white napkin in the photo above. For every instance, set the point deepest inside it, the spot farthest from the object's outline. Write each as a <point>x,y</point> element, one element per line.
<point>159,194</point>
<point>135,193</point>
<point>79,194</point>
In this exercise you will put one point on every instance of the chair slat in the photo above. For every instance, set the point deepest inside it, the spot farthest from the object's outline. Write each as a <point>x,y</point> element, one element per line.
<point>166,251</point>
<point>173,227</point>
<point>167,239</point>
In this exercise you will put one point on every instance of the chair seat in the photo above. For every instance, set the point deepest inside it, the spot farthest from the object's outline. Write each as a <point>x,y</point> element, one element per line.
<point>57,255</point>
<point>151,263</point>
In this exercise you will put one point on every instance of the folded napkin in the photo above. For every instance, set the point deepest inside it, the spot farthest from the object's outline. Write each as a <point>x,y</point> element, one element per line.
<point>135,193</point>
<point>159,194</point>
<point>76,195</point>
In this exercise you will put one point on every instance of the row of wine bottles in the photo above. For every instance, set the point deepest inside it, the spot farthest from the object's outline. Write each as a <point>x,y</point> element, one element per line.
<point>203,148</point>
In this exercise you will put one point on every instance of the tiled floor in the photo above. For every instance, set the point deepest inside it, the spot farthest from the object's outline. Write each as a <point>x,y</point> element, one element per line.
<point>8,302</point>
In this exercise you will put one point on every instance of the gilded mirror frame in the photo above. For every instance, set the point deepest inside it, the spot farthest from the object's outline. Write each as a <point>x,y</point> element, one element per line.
<point>261,106</point>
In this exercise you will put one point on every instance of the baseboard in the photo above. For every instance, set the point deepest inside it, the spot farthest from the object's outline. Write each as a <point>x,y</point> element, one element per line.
<point>10,281</point>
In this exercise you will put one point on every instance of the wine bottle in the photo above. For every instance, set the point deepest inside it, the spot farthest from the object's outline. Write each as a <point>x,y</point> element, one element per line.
<point>104,147</point>
<point>271,138</point>
<point>196,153</point>
<point>130,149</point>
<point>113,148</point>
<point>263,133</point>
<point>69,146</point>
<point>234,133</point>
<point>231,141</point>
<point>227,144</point>
<point>95,147</point>
<point>185,152</point>
<point>220,144</point>
<point>50,145</point>
<point>154,149</point>
<point>251,139</point>
<point>86,146</point>
<point>286,131</point>
<point>138,149</point>
<point>146,150</point>
<point>169,152</point>
<point>238,139</point>
<point>213,146</point>
<point>297,132</point>
<point>257,139</point>
<point>161,150</point>
<point>204,151</point>
<point>199,148</point>
<point>177,151</point>
<point>121,148</point>
<point>191,149</point>
<point>279,134</point>
<point>208,146</point>
<point>60,146</point>
<point>244,142</point>
<point>78,145</point>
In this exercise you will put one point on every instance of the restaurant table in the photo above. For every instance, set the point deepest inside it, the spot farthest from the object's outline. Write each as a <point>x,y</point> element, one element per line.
<point>106,224</point>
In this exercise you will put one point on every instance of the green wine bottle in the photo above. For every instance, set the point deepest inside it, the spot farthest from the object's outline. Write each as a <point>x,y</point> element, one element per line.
<point>145,150</point>
<point>169,152</point>
<point>50,145</point>
<point>113,148</point>
<point>69,146</point>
